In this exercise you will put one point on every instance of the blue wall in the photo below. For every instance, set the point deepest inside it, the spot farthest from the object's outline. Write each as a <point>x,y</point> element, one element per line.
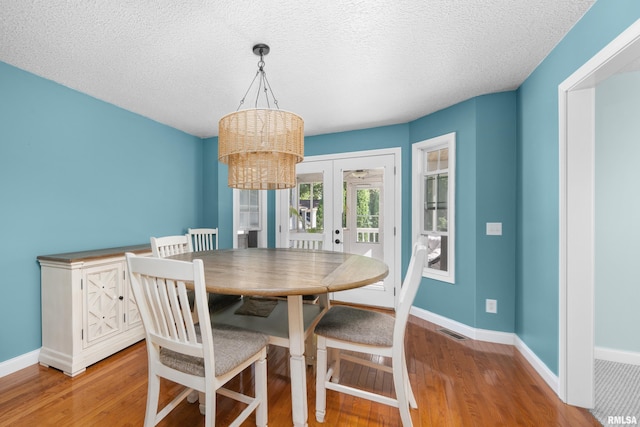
<point>455,301</point>
<point>485,192</point>
<point>210,185</point>
<point>75,174</point>
<point>496,202</point>
<point>537,291</point>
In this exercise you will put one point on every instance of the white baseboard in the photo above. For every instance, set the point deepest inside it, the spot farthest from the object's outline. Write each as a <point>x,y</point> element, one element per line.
<point>538,365</point>
<point>620,356</point>
<point>445,322</point>
<point>462,329</point>
<point>19,362</point>
<point>495,337</point>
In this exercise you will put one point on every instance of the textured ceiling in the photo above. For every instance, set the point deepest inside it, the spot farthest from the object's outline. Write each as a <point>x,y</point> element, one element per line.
<point>340,64</point>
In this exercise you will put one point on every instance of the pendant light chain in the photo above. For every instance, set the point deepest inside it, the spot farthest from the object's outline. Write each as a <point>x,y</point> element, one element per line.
<point>263,85</point>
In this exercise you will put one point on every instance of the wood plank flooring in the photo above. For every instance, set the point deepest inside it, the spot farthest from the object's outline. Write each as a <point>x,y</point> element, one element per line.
<point>457,383</point>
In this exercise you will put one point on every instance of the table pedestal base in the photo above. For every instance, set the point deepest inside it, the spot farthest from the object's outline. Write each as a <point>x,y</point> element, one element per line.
<point>297,362</point>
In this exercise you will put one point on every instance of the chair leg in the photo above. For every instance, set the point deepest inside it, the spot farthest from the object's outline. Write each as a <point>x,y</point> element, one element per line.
<point>335,362</point>
<point>400,386</point>
<point>210,409</point>
<point>310,350</point>
<point>193,397</point>
<point>153,395</point>
<point>413,403</point>
<point>261,391</point>
<point>321,373</point>
<point>202,398</point>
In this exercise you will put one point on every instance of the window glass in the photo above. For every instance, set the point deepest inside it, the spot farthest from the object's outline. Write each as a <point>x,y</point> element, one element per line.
<point>432,161</point>
<point>433,210</point>
<point>249,212</point>
<point>444,158</point>
<point>441,208</point>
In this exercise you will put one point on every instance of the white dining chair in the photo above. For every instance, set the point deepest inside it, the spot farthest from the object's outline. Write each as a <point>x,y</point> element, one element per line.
<point>206,239</point>
<point>165,246</point>
<point>345,328</point>
<point>203,239</point>
<point>162,247</point>
<point>309,241</point>
<point>199,356</point>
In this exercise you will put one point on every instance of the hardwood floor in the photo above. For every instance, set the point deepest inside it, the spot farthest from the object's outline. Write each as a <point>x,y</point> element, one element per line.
<point>457,383</point>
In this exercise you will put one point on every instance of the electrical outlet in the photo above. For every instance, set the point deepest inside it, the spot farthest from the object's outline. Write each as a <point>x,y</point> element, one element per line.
<point>492,306</point>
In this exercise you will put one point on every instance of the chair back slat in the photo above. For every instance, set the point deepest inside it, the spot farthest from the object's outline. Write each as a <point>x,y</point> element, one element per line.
<point>151,291</point>
<point>171,306</point>
<point>162,247</point>
<point>203,239</point>
<point>184,310</point>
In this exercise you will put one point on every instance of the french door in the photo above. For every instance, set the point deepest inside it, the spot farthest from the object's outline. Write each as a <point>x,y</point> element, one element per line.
<point>352,200</point>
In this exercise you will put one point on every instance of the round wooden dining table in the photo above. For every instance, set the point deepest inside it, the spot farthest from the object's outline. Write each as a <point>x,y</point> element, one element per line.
<point>291,273</point>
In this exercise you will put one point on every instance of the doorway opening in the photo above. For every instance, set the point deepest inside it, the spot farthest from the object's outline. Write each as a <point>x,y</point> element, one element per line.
<point>576,98</point>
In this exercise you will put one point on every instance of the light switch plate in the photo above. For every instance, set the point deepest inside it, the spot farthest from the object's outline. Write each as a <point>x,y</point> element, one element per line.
<point>491,306</point>
<point>494,229</point>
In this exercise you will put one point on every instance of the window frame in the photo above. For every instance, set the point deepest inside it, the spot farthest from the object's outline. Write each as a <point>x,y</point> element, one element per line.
<point>418,155</point>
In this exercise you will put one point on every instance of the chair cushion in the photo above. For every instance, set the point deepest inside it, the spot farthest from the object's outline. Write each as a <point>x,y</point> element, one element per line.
<point>231,347</point>
<point>357,325</point>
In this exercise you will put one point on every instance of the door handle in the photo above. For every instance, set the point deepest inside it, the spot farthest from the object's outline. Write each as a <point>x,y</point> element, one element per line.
<point>338,241</point>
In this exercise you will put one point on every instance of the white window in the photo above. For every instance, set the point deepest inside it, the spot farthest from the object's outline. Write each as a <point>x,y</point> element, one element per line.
<point>433,207</point>
<point>249,210</point>
<point>249,216</point>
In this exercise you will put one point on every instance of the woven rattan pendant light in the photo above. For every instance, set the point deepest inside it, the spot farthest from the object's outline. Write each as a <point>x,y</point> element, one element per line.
<point>261,145</point>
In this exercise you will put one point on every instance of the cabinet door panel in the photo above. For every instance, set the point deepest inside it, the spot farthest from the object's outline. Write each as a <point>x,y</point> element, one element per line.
<point>103,317</point>
<point>133,315</point>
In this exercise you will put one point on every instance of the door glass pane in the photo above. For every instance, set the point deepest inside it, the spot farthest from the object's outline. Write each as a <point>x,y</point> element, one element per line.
<point>306,211</point>
<point>367,215</point>
<point>363,205</point>
<point>344,205</point>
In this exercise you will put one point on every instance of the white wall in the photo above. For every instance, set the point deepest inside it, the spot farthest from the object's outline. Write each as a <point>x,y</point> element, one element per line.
<point>617,214</point>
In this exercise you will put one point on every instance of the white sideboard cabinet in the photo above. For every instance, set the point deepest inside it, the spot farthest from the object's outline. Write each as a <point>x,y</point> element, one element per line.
<point>88,309</point>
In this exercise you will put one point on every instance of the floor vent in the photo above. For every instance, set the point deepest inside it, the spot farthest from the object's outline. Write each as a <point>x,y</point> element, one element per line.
<point>452,334</point>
